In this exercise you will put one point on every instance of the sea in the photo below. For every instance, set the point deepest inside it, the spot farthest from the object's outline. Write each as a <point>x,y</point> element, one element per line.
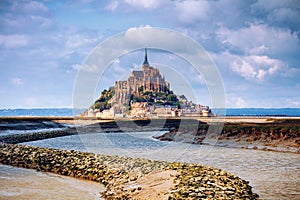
<point>58,112</point>
<point>288,112</point>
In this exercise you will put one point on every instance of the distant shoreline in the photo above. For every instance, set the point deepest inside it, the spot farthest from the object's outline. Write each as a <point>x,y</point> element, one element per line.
<point>70,119</point>
<point>230,112</point>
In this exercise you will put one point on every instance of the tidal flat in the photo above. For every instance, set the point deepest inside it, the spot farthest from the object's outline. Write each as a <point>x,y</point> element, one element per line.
<point>138,144</point>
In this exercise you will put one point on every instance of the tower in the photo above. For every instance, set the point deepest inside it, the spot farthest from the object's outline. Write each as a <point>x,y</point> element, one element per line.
<point>146,59</point>
<point>149,79</point>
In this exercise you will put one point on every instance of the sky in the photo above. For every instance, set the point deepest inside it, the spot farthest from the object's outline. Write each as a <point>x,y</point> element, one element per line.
<point>254,44</point>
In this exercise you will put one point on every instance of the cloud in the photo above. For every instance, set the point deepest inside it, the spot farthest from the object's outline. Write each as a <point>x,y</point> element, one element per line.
<point>25,17</point>
<point>256,41</point>
<point>13,41</point>
<point>130,6</point>
<point>145,4</point>
<point>259,39</point>
<point>279,13</point>
<point>256,67</point>
<point>86,1</point>
<point>76,67</point>
<point>29,6</point>
<point>147,36</point>
<point>192,11</point>
<point>292,103</point>
<point>76,40</point>
<point>241,103</point>
<point>73,39</point>
<point>112,6</point>
<point>116,61</point>
<point>44,22</point>
<point>244,68</point>
<point>85,67</point>
<point>233,101</point>
<point>17,81</point>
<point>118,69</point>
<point>262,49</point>
<point>262,5</point>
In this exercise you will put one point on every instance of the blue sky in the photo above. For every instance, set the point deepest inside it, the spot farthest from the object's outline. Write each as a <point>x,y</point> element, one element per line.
<point>254,43</point>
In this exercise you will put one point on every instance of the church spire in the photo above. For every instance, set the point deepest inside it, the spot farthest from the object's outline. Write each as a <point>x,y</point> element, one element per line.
<point>146,59</point>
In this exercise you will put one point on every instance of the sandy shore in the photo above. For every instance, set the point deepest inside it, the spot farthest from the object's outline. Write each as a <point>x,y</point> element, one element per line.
<point>27,184</point>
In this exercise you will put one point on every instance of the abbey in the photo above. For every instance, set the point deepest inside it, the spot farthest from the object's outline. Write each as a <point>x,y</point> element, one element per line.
<point>147,80</point>
<point>144,94</point>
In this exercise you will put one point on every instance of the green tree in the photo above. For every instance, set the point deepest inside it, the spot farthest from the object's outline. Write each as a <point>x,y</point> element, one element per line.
<point>172,98</point>
<point>102,102</point>
<point>141,90</point>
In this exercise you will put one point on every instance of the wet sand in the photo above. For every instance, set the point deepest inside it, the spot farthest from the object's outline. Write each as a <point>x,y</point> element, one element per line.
<point>20,183</point>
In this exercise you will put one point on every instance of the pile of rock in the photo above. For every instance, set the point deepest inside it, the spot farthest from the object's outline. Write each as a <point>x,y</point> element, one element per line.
<point>203,182</point>
<point>27,137</point>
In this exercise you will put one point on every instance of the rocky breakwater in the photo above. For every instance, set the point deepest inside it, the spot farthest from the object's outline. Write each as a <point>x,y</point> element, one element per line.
<point>123,177</point>
<point>26,137</point>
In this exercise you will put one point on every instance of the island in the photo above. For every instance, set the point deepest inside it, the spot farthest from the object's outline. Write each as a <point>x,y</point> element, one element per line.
<point>145,94</point>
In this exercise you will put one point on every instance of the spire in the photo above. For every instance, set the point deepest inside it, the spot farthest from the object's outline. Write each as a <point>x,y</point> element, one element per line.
<point>146,59</point>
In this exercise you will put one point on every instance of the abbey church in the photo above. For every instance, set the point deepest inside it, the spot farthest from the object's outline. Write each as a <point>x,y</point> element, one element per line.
<point>144,94</point>
<point>147,80</point>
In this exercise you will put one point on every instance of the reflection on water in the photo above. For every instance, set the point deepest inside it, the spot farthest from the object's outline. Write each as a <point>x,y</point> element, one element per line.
<point>273,175</point>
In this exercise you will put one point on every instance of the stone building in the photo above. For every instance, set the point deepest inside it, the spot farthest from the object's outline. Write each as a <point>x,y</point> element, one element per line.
<point>147,80</point>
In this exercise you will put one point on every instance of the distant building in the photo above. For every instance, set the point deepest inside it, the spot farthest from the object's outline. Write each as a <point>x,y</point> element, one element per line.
<point>147,80</point>
<point>123,98</point>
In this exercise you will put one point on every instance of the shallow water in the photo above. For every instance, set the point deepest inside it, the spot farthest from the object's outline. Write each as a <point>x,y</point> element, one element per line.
<point>15,132</point>
<point>273,175</point>
<point>18,183</point>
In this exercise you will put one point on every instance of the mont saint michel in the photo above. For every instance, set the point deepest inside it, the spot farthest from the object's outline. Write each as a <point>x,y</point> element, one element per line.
<point>145,94</point>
